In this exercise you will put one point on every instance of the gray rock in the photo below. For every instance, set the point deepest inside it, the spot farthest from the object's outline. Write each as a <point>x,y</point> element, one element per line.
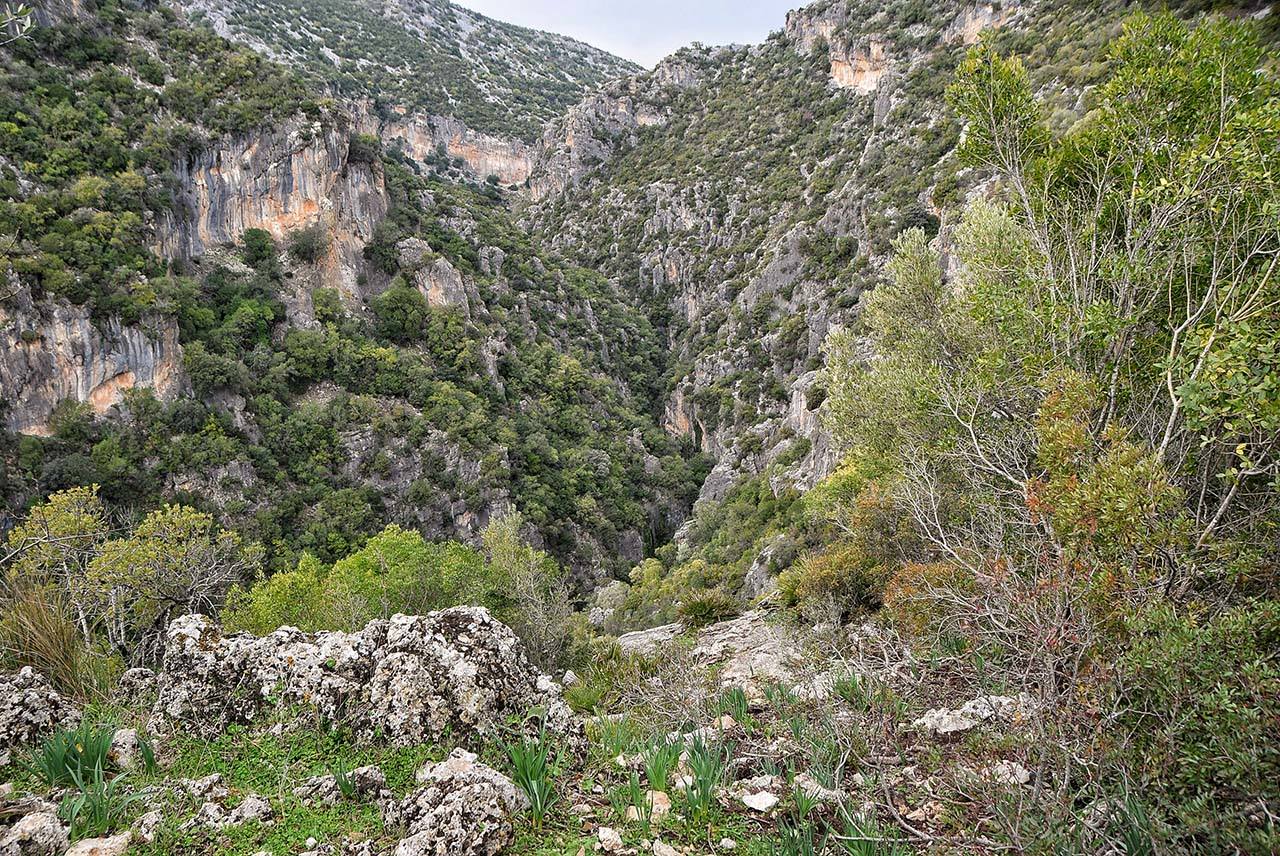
<point>114,845</point>
<point>31,709</point>
<point>464,808</point>
<point>410,678</point>
<point>40,833</point>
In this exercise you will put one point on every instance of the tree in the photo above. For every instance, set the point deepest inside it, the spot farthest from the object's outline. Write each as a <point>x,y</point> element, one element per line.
<point>538,607</point>
<point>174,563</point>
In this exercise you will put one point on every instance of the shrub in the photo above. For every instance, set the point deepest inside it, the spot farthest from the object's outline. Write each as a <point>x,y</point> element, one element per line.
<point>841,577</point>
<point>708,607</point>
<point>1200,701</point>
<point>97,805</point>
<point>309,244</point>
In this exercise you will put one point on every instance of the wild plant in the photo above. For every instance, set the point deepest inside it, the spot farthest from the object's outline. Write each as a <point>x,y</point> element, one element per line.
<point>864,835</point>
<point>659,762</point>
<point>342,777</point>
<point>531,763</point>
<point>97,805</point>
<point>797,838</point>
<point>707,764</point>
<point>639,797</point>
<point>67,755</point>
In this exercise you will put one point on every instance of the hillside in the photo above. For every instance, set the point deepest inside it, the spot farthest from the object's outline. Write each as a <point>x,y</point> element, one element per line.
<point>431,57</point>
<point>424,435</point>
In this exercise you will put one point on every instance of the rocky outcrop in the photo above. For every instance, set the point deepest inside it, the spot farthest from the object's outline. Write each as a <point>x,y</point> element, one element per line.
<point>31,709</point>
<point>58,352</point>
<point>422,137</point>
<point>974,18</point>
<point>464,807</point>
<point>282,179</point>
<point>857,66</point>
<point>410,679</point>
<point>596,129</point>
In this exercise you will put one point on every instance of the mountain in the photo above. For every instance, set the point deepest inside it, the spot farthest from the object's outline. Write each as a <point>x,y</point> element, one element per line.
<point>428,57</point>
<point>875,429</point>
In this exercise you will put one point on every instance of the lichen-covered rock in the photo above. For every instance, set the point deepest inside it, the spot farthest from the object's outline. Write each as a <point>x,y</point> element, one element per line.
<point>30,709</point>
<point>366,783</point>
<point>409,678</point>
<point>464,808</point>
<point>39,833</point>
<point>112,845</point>
<point>943,721</point>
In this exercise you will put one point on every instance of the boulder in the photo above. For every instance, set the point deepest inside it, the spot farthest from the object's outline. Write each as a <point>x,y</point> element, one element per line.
<point>366,782</point>
<point>31,709</point>
<point>114,845</point>
<point>39,833</point>
<point>411,679</point>
<point>464,808</point>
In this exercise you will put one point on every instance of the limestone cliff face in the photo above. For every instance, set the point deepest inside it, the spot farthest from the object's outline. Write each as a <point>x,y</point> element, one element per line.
<point>57,352</point>
<point>291,177</point>
<point>421,136</point>
<point>594,130</point>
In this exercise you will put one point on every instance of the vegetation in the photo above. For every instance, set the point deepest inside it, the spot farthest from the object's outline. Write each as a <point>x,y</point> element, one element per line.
<point>1069,437</point>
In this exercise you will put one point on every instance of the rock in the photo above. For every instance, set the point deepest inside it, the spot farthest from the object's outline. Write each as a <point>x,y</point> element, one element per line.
<point>943,721</point>
<point>661,848</point>
<point>760,800</point>
<point>811,787</point>
<point>209,788</point>
<point>728,844</point>
<point>134,684</point>
<point>464,808</point>
<point>39,833</point>
<point>410,678</point>
<point>253,807</point>
<point>125,748</point>
<point>31,709</point>
<point>115,845</point>
<point>608,840</point>
<point>144,828</point>
<point>1006,773</point>
<point>658,805</point>
<point>368,782</point>
<point>570,679</point>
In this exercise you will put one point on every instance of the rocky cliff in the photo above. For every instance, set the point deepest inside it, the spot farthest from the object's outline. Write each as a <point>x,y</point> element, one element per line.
<point>55,351</point>
<point>281,179</point>
<point>796,161</point>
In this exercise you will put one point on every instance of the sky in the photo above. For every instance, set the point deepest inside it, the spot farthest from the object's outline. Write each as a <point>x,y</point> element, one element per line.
<point>644,31</point>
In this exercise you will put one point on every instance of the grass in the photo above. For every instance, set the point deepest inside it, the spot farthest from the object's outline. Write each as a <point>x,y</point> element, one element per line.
<point>533,768</point>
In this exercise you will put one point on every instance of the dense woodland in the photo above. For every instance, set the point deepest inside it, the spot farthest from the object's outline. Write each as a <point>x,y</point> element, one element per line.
<point>1055,406</point>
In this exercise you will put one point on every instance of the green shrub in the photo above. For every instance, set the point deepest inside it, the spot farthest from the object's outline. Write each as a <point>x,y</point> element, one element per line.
<point>842,576</point>
<point>1200,702</point>
<point>309,245</point>
<point>702,608</point>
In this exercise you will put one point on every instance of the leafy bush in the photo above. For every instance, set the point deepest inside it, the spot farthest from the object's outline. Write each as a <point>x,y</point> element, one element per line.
<point>1200,699</point>
<point>309,244</point>
<point>842,577</point>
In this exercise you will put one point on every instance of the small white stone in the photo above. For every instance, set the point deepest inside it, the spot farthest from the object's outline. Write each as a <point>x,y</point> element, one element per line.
<point>728,844</point>
<point>760,800</point>
<point>610,840</point>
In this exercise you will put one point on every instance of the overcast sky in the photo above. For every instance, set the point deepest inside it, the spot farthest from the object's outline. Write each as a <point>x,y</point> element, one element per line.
<point>644,30</point>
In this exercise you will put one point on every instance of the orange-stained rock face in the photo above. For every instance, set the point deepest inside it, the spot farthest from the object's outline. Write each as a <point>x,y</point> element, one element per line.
<point>282,180</point>
<point>65,355</point>
<point>862,69</point>
<point>485,155</point>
